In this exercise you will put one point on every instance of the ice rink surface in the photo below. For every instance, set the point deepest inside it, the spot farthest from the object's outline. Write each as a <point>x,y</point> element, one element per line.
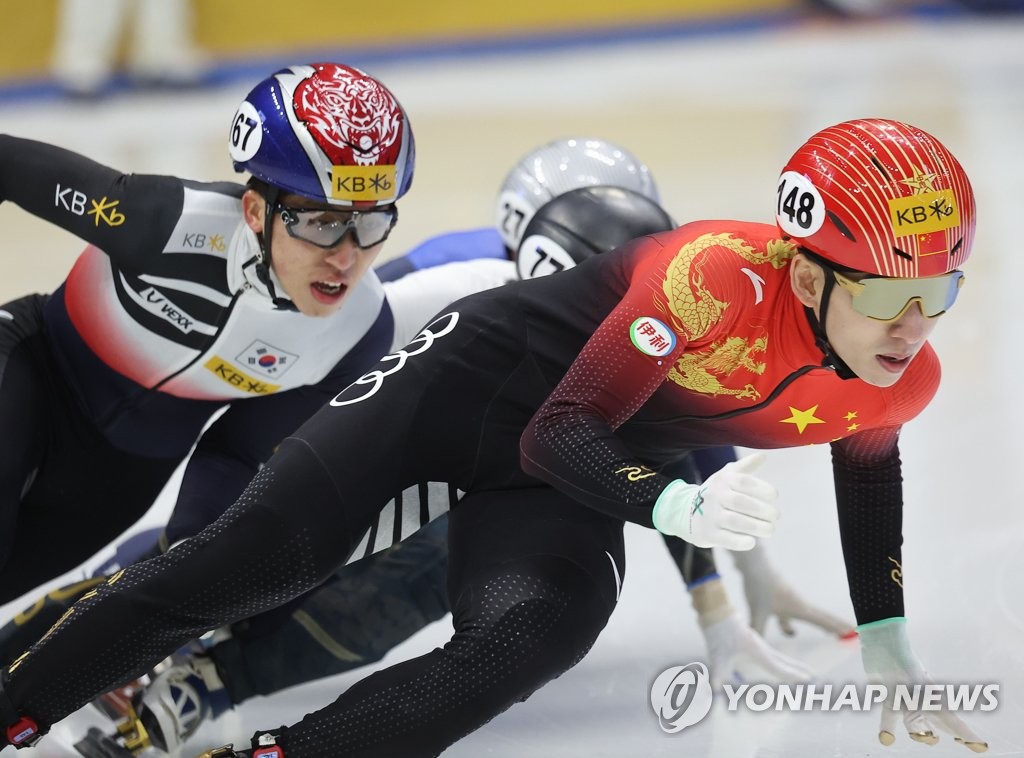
<point>715,117</point>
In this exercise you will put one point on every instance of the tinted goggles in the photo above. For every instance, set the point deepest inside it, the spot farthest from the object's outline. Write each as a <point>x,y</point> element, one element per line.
<point>886,299</point>
<point>326,227</point>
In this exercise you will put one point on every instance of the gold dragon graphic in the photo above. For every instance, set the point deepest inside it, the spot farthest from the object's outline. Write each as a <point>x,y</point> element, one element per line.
<point>693,310</point>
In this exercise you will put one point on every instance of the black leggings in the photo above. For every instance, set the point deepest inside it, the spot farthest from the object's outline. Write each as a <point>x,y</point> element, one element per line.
<point>532,582</point>
<point>65,492</point>
<point>533,578</point>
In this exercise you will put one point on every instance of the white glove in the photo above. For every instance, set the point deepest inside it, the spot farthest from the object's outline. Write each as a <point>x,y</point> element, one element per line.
<point>729,510</point>
<point>730,641</point>
<point>888,660</point>
<point>768,595</point>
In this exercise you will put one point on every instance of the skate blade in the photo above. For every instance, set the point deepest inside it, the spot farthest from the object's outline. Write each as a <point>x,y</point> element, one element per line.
<point>132,734</point>
<point>129,741</point>
<point>219,752</point>
<point>96,744</point>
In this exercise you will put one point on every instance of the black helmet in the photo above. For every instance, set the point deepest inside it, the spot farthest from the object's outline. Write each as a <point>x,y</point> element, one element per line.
<point>584,222</point>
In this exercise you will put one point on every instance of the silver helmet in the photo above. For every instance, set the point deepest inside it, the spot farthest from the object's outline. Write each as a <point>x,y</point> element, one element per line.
<point>560,166</point>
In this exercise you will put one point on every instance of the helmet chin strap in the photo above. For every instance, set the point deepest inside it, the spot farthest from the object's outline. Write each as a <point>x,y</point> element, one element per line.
<point>263,264</point>
<point>832,359</point>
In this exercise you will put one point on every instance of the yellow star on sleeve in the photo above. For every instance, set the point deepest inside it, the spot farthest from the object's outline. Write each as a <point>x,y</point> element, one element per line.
<point>854,426</point>
<point>802,419</point>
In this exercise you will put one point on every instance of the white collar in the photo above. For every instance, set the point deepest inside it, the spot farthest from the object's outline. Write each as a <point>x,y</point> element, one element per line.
<point>243,255</point>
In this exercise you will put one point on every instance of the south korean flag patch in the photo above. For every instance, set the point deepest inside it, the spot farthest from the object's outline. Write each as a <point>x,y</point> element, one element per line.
<point>266,360</point>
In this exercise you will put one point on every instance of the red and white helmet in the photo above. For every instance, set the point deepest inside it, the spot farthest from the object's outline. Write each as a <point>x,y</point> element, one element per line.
<point>878,196</point>
<point>325,131</point>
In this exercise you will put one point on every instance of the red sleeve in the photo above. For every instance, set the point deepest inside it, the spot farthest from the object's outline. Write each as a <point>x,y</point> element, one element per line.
<point>571,443</point>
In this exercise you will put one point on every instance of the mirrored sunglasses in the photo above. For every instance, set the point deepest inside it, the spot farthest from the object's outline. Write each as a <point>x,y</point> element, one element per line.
<point>325,227</point>
<point>886,299</point>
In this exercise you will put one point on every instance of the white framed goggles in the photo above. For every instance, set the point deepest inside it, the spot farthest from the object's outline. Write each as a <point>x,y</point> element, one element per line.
<point>326,227</point>
<point>887,298</point>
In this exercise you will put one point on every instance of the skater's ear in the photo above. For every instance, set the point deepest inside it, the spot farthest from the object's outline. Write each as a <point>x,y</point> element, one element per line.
<point>254,209</point>
<point>807,280</point>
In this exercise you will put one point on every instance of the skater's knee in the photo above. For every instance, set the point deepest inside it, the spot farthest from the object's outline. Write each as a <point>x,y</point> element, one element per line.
<point>530,623</point>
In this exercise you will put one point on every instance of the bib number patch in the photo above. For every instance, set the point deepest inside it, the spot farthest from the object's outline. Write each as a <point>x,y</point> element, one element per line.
<point>539,256</point>
<point>799,209</point>
<point>246,133</point>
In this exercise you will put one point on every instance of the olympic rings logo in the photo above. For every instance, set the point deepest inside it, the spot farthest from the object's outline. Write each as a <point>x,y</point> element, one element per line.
<point>394,362</point>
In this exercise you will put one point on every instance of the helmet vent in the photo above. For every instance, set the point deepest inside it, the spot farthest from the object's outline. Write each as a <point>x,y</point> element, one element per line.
<point>843,228</point>
<point>901,254</point>
<point>881,169</point>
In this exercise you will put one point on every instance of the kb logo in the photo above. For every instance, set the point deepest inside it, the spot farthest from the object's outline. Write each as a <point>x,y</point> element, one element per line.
<point>681,696</point>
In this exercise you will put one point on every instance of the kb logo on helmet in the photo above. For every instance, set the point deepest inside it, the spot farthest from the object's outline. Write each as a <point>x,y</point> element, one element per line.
<point>923,214</point>
<point>362,182</point>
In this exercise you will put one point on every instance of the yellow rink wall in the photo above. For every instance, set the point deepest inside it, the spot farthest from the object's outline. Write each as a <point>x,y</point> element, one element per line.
<point>240,29</point>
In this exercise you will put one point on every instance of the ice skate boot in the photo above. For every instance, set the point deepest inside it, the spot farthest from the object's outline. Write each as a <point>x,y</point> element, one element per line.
<point>159,713</point>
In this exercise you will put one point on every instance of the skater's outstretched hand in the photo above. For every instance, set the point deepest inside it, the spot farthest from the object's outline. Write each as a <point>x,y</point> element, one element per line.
<point>731,642</point>
<point>768,595</point>
<point>888,659</point>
